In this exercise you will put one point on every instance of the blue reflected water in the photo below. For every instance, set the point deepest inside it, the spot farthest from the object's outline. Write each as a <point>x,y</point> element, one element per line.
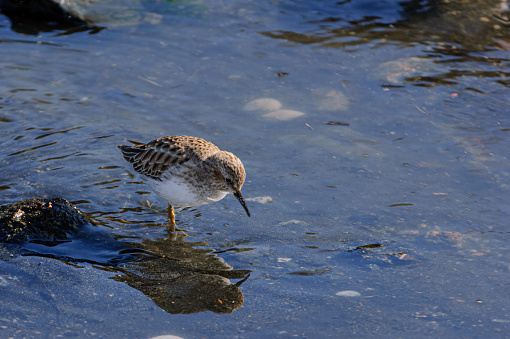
<point>416,166</point>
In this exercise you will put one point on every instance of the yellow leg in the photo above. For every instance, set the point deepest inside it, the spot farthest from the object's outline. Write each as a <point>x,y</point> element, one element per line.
<point>171,219</point>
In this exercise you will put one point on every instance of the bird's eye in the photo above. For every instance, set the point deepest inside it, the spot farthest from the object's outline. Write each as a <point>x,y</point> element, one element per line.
<point>228,180</point>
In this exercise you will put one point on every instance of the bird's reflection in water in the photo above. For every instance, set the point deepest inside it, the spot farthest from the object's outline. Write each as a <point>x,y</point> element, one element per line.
<point>183,279</point>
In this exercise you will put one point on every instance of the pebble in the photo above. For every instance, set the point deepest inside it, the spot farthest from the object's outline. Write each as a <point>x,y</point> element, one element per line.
<point>503,321</point>
<point>290,222</point>
<point>262,200</point>
<point>348,294</point>
<point>263,104</point>
<point>283,114</point>
<point>397,71</point>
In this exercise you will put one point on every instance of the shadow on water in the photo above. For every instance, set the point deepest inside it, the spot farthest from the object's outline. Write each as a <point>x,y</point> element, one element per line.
<point>180,277</point>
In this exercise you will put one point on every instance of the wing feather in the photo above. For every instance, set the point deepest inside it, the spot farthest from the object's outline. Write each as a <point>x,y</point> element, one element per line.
<point>157,156</point>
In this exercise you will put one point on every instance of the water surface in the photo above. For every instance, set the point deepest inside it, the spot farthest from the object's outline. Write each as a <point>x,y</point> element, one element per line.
<point>405,202</point>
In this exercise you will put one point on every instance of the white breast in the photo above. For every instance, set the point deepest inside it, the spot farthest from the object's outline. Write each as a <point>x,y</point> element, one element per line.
<point>179,194</point>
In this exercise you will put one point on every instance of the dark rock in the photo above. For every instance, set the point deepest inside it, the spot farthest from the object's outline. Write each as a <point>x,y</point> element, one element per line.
<point>44,219</point>
<point>37,9</point>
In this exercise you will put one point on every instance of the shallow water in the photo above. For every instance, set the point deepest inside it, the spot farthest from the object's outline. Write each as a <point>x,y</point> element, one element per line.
<point>419,165</point>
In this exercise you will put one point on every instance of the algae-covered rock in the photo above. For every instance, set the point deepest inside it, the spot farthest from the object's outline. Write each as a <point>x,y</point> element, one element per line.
<point>44,219</point>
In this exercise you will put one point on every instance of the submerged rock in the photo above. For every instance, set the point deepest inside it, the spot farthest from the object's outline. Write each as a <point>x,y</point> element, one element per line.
<point>407,69</point>
<point>272,106</point>
<point>348,294</point>
<point>283,114</point>
<point>44,219</point>
<point>263,104</point>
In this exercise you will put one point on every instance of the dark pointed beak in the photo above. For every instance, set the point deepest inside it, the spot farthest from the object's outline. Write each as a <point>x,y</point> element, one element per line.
<point>239,197</point>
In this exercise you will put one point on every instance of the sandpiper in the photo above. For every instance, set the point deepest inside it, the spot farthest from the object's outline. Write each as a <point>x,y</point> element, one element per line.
<point>186,171</point>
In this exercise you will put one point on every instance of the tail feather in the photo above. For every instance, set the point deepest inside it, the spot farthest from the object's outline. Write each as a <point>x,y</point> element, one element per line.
<point>129,152</point>
<point>136,143</point>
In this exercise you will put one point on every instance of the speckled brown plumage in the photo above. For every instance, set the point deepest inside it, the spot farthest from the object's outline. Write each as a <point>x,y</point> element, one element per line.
<point>187,171</point>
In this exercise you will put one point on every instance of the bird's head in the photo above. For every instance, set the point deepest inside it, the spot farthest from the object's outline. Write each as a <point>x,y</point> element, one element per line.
<point>231,175</point>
